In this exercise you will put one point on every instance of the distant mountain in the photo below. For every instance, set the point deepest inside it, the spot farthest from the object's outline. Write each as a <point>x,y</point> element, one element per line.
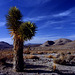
<point>62,41</point>
<point>70,45</point>
<point>32,45</point>
<point>4,45</point>
<point>47,43</point>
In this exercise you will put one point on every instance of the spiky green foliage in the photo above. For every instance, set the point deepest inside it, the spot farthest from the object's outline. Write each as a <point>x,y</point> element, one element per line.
<point>27,30</point>
<point>13,19</point>
<point>23,30</point>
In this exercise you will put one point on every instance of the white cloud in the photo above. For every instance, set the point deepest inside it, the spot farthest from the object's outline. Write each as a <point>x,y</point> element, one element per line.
<point>31,3</point>
<point>50,23</point>
<point>45,25</point>
<point>66,13</point>
<point>2,24</point>
<point>35,18</point>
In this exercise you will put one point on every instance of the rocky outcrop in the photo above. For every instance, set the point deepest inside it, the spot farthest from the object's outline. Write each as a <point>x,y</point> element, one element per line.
<point>47,43</point>
<point>62,41</point>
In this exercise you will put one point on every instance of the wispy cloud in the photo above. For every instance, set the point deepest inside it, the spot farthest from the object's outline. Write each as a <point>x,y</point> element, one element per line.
<point>50,24</point>
<point>45,25</point>
<point>2,24</point>
<point>66,13</point>
<point>31,3</point>
<point>35,18</point>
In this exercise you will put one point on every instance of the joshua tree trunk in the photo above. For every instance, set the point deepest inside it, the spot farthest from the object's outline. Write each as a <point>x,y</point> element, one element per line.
<point>18,64</point>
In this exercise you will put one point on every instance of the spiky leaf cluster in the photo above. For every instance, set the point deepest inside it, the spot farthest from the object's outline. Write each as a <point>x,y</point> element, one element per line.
<point>27,30</point>
<point>23,30</point>
<point>13,19</point>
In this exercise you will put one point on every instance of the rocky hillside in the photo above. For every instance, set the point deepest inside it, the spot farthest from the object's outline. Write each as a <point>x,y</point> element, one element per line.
<point>62,41</point>
<point>59,44</point>
<point>47,43</point>
<point>4,45</point>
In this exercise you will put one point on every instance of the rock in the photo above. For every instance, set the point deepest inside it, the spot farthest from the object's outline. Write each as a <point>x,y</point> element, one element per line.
<point>62,41</point>
<point>47,43</point>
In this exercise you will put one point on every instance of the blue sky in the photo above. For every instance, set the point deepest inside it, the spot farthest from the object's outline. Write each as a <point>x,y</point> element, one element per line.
<point>54,18</point>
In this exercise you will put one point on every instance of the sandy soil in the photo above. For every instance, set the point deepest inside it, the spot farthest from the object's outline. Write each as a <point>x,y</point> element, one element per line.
<point>41,66</point>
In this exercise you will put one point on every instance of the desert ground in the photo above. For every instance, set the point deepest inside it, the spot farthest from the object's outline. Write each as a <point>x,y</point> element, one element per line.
<point>38,62</point>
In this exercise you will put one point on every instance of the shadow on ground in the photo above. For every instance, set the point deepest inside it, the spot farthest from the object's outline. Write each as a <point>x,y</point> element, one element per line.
<point>34,69</point>
<point>61,73</point>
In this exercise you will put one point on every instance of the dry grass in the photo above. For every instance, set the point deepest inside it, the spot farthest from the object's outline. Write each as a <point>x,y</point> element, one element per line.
<point>50,56</point>
<point>31,57</point>
<point>39,52</point>
<point>5,56</point>
<point>54,66</point>
<point>26,52</point>
<point>65,59</point>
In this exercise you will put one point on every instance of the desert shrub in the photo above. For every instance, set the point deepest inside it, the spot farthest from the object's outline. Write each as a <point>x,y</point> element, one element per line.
<point>31,57</point>
<point>40,52</point>
<point>6,55</point>
<point>57,55</point>
<point>59,61</point>
<point>65,60</point>
<point>10,57</point>
<point>70,58</point>
<point>27,51</point>
<point>50,56</point>
<point>54,67</point>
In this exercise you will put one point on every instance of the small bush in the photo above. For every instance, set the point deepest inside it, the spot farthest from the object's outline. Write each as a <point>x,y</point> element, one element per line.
<point>31,57</point>
<point>54,66</point>
<point>50,56</point>
<point>40,52</point>
<point>65,60</point>
<point>60,61</point>
<point>6,56</point>
<point>26,52</point>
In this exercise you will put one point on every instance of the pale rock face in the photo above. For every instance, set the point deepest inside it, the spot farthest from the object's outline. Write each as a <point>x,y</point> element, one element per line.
<point>62,41</point>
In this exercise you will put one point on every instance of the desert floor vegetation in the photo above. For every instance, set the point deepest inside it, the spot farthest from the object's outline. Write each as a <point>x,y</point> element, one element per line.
<point>31,57</point>
<point>65,59</point>
<point>50,56</point>
<point>48,61</point>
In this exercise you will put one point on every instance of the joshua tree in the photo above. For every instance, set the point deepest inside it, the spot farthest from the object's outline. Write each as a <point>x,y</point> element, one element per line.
<point>21,31</point>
